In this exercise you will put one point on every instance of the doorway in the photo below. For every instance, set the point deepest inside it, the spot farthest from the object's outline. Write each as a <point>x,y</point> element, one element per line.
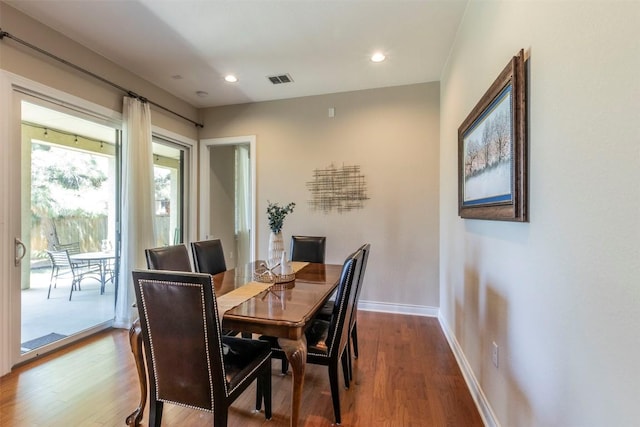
<point>228,196</point>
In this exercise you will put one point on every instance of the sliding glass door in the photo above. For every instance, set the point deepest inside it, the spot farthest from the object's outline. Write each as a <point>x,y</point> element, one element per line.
<point>69,217</point>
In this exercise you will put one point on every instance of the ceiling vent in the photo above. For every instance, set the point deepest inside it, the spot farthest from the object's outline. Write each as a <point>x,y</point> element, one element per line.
<point>282,78</point>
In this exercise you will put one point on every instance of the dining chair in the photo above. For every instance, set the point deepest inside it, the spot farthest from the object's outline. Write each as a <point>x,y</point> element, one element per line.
<point>190,363</point>
<point>308,248</point>
<point>62,267</point>
<point>327,340</point>
<point>326,311</point>
<point>208,256</point>
<point>173,258</point>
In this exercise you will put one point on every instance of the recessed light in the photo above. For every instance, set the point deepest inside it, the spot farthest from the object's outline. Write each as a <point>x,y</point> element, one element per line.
<point>230,78</point>
<point>176,77</point>
<point>378,57</point>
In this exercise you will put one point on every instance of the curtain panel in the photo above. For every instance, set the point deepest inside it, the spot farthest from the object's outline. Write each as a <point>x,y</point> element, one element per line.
<point>138,203</point>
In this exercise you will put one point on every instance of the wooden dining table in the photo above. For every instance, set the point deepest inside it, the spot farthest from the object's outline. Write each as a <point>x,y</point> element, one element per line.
<point>284,310</point>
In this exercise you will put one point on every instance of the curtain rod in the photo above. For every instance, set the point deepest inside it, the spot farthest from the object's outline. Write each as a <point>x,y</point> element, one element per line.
<point>132,94</point>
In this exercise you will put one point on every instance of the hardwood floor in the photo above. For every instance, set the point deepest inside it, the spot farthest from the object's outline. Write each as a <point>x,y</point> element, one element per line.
<point>406,376</point>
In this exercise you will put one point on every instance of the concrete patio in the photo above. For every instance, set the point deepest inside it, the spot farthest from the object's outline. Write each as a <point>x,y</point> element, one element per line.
<point>42,316</point>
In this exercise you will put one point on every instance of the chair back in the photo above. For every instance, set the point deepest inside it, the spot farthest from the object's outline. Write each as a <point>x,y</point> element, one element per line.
<point>181,335</point>
<point>208,256</point>
<point>172,258</point>
<point>308,248</point>
<point>338,334</point>
<point>60,259</point>
<point>72,248</point>
<point>366,248</point>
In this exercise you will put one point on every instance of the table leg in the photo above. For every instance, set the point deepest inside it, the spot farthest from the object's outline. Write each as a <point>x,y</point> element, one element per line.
<point>135,341</point>
<point>296,352</point>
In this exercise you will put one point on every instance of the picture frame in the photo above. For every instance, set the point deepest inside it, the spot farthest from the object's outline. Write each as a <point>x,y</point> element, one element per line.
<point>492,150</point>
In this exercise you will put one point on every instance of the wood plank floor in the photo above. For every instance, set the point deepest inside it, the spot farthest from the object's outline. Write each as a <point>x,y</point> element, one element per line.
<point>406,376</point>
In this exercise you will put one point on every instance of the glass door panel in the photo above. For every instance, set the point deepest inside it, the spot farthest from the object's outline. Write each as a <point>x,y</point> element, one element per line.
<point>169,172</point>
<point>68,221</point>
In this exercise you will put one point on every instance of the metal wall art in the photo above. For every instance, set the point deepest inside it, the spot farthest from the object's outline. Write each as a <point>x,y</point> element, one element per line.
<point>341,189</point>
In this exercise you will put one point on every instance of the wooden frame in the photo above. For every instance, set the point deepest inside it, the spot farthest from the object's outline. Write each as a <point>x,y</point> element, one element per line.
<point>492,150</point>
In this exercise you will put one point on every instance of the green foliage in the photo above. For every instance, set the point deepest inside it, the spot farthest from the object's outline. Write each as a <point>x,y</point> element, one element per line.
<point>276,215</point>
<point>62,180</point>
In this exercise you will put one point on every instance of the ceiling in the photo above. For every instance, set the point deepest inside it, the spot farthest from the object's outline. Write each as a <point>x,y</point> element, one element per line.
<point>188,46</point>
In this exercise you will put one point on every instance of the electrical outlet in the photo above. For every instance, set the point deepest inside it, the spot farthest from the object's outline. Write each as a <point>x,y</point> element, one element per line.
<point>494,354</point>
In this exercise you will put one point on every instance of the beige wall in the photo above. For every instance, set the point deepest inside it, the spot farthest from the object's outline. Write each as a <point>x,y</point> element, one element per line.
<point>222,209</point>
<point>560,294</point>
<point>392,134</point>
<point>27,63</point>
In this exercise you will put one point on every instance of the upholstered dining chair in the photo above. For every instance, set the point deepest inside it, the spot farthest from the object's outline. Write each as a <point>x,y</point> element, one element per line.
<point>326,311</point>
<point>208,256</point>
<point>308,248</point>
<point>189,362</point>
<point>327,341</point>
<point>174,258</point>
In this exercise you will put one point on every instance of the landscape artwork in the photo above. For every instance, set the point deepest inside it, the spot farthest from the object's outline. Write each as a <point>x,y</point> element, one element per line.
<point>487,154</point>
<point>492,150</point>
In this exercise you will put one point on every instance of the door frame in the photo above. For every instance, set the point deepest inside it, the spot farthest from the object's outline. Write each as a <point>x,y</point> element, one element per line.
<point>10,117</point>
<point>204,231</point>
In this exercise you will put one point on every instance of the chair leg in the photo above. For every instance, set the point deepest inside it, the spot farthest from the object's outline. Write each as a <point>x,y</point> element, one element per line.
<point>266,392</point>
<point>346,372</point>
<point>220,417</point>
<point>354,338</point>
<point>155,413</point>
<point>285,366</point>
<point>73,285</point>
<point>335,395</point>
<point>259,387</point>
<point>50,282</point>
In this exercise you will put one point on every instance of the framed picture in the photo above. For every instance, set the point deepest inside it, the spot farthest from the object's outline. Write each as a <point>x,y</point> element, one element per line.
<point>492,150</point>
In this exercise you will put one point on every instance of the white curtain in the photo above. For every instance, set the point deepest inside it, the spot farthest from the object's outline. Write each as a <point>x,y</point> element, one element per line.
<point>138,203</point>
<point>243,205</point>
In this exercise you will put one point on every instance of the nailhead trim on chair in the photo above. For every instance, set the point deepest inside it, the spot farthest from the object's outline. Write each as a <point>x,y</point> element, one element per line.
<point>144,307</point>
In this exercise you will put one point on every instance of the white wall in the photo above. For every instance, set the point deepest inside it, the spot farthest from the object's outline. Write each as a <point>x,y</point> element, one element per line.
<point>392,134</point>
<point>561,294</point>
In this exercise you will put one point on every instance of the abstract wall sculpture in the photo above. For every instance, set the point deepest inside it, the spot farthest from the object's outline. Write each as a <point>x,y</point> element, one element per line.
<point>341,189</point>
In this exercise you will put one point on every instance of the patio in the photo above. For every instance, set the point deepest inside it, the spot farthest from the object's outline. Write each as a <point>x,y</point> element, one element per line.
<point>42,317</point>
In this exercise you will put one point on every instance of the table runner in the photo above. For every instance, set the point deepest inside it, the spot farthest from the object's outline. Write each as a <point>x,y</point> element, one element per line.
<point>238,296</point>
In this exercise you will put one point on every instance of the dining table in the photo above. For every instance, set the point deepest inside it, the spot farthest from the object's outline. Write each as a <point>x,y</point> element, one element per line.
<point>282,310</point>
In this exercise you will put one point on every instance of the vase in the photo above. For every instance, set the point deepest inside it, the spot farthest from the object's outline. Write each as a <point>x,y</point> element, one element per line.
<point>276,247</point>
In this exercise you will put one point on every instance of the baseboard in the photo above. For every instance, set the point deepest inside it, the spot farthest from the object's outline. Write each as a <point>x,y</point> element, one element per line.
<point>488,417</point>
<point>384,307</point>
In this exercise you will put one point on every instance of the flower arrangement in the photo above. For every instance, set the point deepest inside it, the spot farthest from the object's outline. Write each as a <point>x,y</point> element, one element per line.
<point>276,215</point>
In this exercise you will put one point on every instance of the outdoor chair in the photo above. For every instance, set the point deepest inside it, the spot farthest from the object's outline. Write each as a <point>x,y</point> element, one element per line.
<point>62,267</point>
<point>73,249</point>
<point>190,363</point>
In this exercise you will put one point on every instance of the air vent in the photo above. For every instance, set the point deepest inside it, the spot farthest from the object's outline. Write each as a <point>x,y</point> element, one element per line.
<point>282,78</point>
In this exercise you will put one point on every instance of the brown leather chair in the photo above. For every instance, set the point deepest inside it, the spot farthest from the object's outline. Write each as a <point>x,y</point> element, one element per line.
<point>327,341</point>
<point>208,256</point>
<point>308,248</point>
<point>173,258</point>
<point>190,363</point>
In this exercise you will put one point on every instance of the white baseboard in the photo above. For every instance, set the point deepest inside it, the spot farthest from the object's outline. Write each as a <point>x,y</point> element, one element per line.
<point>384,307</point>
<point>488,417</point>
